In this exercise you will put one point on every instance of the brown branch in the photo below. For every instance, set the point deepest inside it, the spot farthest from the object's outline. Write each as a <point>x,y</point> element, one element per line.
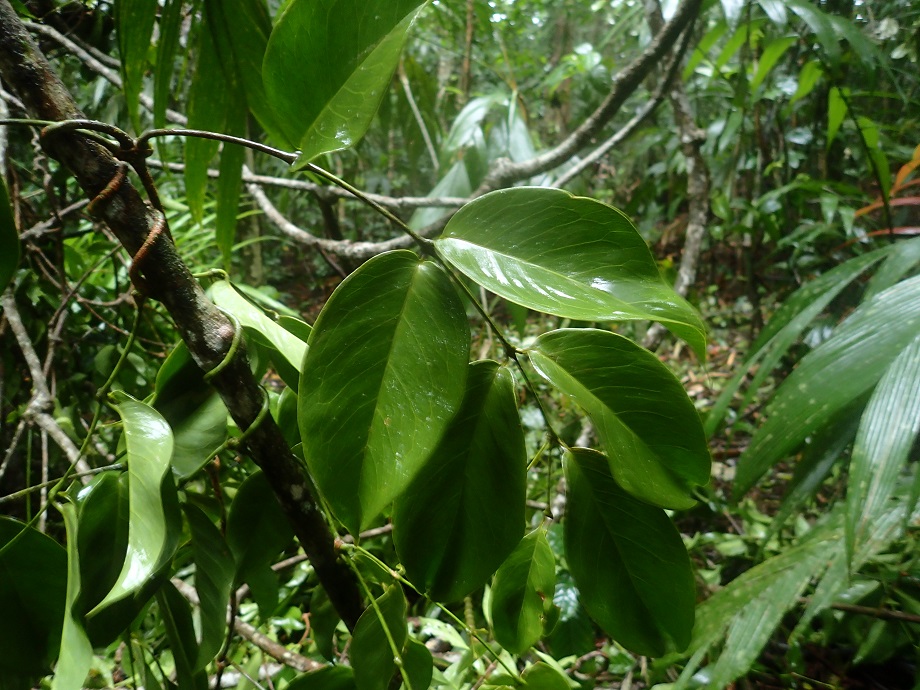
<point>207,332</point>
<point>245,630</point>
<point>625,83</point>
<point>691,142</point>
<point>36,410</point>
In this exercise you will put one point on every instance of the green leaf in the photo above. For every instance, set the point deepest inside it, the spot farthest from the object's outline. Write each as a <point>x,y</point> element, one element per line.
<point>154,522</point>
<point>134,21</point>
<point>229,183</point>
<point>836,112</point>
<point>214,570</point>
<point>542,676</point>
<point>771,54</point>
<point>33,592</point>
<point>809,75</point>
<point>464,512</point>
<point>257,531</point>
<point>193,409</point>
<point>419,664</point>
<point>648,425</point>
<point>886,435</point>
<point>749,609</point>
<point>328,65</point>
<point>785,327</point>
<point>323,620</point>
<point>208,100</point>
<point>289,347</point>
<point>103,532</point>
<point>167,45</point>
<point>564,255</point>
<point>328,678</point>
<point>76,650</point>
<point>9,239</point>
<point>176,613</point>
<point>384,374</point>
<point>628,560</point>
<point>844,367</point>
<point>371,654</point>
<point>241,29</point>
<point>820,24</point>
<point>522,593</point>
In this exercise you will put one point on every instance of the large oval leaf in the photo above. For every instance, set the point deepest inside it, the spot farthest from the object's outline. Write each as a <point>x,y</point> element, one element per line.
<point>564,255</point>
<point>154,522</point>
<point>833,375</point>
<point>628,560</point>
<point>648,425</point>
<point>384,374</point>
<point>328,65</point>
<point>522,593</point>
<point>464,512</point>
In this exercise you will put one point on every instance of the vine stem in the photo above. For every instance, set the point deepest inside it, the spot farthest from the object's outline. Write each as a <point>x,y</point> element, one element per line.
<point>468,628</point>
<point>397,653</point>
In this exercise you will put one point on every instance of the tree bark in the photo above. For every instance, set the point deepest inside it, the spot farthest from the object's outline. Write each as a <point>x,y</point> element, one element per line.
<point>205,329</point>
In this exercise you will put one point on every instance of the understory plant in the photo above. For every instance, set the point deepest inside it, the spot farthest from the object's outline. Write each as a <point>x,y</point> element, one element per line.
<point>373,421</point>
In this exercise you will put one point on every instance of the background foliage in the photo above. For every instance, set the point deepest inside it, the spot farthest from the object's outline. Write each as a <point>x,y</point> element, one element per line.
<point>443,374</point>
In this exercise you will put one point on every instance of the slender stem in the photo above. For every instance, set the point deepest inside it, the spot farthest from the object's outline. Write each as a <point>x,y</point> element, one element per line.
<point>22,493</point>
<point>468,628</point>
<point>397,653</point>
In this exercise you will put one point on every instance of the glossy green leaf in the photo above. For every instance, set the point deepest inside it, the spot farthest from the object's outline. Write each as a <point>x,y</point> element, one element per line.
<point>648,425</point>
<point>384,374</point>
<point>103,532</point>
<point>628,560</point>
<point>76,650</point>
<point>830,377</point>
<point>9,239</point>
<point>328,65</point>
<point>522,593</point>
<point>419,664</point>
<point>193,409</point>
<point>257,531</point>
<point>289,347</point>
<point>134,21</point>
<point>214,570</point>
<point>167,45</point>
<point>154,523</point>
<point>464,512</point>
<point>328,678</point>
<point>33,589</point>
<point>565,255</point>
<point>886,435</point>
<point>180,631</point>
<point>371,653</point>
<point>542,676</point>
<point>573,633</point>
